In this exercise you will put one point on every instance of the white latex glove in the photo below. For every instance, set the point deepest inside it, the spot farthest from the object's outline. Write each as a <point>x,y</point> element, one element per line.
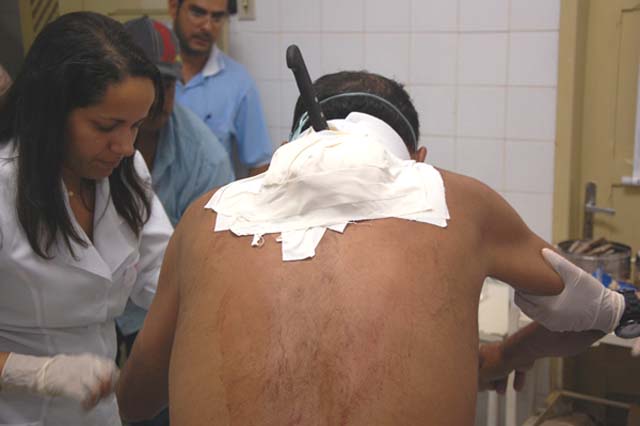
<point>635,350</point>
<point>584,304</point>
<point>86,378</point>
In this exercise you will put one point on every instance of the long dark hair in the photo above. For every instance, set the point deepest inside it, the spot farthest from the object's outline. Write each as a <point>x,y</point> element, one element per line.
<point>70,65</point>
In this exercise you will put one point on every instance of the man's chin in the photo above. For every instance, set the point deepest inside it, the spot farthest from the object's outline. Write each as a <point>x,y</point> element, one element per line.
<point>199,47</point>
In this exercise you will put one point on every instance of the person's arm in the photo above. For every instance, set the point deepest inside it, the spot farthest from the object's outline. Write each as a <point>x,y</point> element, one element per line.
<point>514,251</point>
<point>545,286</point>
<point>143,387</point>
<point>520,350</point>
<point>549,289</point>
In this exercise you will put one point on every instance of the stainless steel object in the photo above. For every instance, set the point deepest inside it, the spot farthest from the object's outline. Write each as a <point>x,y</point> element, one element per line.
<point>617,264</point>
<point>590,208</point>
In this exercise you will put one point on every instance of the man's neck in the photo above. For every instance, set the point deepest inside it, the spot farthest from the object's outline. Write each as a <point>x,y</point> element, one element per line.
<point>192,65</point>
<point>147,144</point>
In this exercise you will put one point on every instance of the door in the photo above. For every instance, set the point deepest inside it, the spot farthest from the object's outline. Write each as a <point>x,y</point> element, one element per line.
<point>599,66</point>
<point>598,93</point>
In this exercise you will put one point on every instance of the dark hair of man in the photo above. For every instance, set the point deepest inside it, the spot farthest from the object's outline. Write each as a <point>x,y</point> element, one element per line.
<point>362,81</point>
<point>70,65</point>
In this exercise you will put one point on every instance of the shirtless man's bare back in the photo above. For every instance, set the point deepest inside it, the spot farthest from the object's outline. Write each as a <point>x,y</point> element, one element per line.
<point>379,328</point>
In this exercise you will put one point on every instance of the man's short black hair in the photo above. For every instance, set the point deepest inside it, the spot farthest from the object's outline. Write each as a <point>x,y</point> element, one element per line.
<point>362,81</point>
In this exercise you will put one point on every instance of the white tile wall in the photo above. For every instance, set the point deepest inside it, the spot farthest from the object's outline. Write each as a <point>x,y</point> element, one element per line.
<point>270,95</point>
<point>298,15</point>
<point>427,47</point>
<point>533,58</point>
<point>436,106</point>
<point>481,159</point>
<point>434,15</point>
<point>481,111</point>
<point>482,74</point>
<point>388,55</point>
<point>441,151</point>
<point>531,113</point>
<point>529,166</point>
<point>387,16</point>
<point>535,15</point>
<point>484,15</point>
<point>259,53</point>
<point>342,52</point>
<point>535,210</point>
<point>482,59</point>
<point>289,95</point>
<point>343,15</point>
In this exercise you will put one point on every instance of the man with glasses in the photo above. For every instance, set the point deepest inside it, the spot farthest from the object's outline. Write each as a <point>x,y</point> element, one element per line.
<point>217,88</point>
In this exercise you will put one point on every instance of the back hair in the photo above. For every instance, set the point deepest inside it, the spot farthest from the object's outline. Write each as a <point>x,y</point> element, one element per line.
<point>362,81</point>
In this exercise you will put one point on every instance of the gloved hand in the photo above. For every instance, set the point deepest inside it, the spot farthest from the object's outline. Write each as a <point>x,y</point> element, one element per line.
<point>635,350</point>
<point>584,304</point>
<point>86,378</point>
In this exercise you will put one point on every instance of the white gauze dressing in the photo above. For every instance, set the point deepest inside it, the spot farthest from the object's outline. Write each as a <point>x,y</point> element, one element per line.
<point>358,170</point>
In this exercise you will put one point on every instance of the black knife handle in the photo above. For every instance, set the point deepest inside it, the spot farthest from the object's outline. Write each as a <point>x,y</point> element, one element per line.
<point>295,62</point>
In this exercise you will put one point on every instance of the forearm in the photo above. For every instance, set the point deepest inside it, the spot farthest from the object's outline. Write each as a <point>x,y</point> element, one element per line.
<point>139,396</point>
<point>86,378</point>
<point>534,341</point>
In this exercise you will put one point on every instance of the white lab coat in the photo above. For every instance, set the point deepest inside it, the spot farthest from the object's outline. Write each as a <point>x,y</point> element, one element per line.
<point>64,305</point>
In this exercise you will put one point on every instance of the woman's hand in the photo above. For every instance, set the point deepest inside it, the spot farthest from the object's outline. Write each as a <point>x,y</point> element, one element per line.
<point>86,378</point>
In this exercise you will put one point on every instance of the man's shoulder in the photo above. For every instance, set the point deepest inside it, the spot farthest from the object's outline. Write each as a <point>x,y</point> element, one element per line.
<point>191,127</point>
<point>232,65</point>
<point>233,74</point>
<point>469,196</point>
<point>463,185</point>
<point>196,216</point>
<point>186,120</point>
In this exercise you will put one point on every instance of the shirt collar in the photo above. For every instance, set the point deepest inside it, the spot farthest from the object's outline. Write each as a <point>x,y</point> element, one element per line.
<point>214,64</point>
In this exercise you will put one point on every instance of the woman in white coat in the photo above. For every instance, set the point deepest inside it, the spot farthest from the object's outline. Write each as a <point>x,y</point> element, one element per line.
<point>80,230</point>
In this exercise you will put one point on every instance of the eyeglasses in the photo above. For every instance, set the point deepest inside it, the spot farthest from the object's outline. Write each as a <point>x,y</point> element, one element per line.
<point>197,15</point>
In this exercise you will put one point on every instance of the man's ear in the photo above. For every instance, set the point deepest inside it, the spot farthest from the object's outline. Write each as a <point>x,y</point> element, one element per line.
<point>173,9</point>
<point>420,155</point>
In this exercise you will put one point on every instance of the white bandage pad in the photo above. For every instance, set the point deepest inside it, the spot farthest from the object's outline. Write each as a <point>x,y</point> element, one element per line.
<point>584,304</point>
<point>328,179</point>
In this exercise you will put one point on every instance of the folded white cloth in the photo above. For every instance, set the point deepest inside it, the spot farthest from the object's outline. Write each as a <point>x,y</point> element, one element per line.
<point>327,179</point>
